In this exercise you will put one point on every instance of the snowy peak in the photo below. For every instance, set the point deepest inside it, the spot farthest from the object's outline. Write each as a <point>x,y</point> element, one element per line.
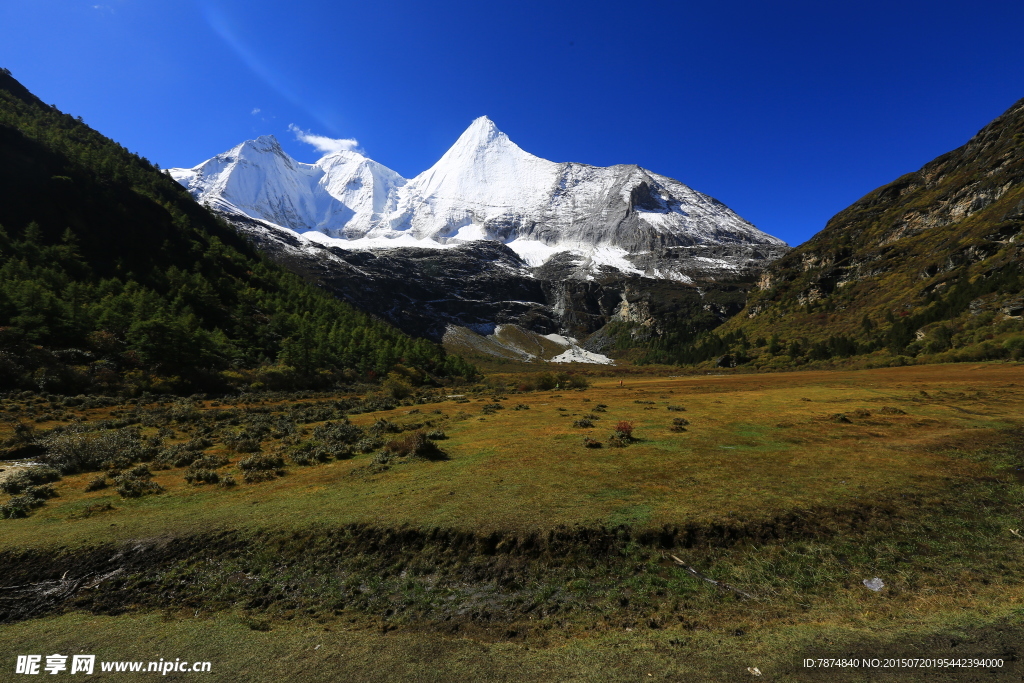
<point>483,173</point>
<point>483,139</point>
<point>485,187</point>
<point>262,144</point>
<point>479,134</point>
<point>262,150</point>
<point>483,152</point>
<point>343,191</point>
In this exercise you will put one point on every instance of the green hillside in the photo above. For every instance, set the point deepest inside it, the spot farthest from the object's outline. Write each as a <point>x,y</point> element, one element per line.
<point>926,267</point>
<point>113,278</point>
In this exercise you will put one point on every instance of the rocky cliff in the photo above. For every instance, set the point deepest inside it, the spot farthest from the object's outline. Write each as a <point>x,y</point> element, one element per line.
<point>484,285</point>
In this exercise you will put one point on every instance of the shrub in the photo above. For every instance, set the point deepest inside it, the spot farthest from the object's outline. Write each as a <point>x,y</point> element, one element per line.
<point>307,414</point>
<point>227,481</point>
<point>243,442</point>
<point>259,476</point>
<point>368,445</point>
<point>679,424</point>
<point>18,506</point>
<point>436,435</point>
<point>139,472</point>
<point>204,469</point>
<point>209,462</point>
<point>591,443</point>
<point>336,434</point>
<point>1014,346</point>
<point>521,406</point>
<point>840,418</point>
<point>546,381</point>
<point>583,423</point>
<point>617,441</point>
<point>397,386</point>
<point>600,408</point>
<point>184,410</point>
<point>624,430</point>
<point>890,410</point>
<point>24,434</point>
<point>117,464</point>
<point>41,492</point>
<point>576,382</point>
<point>261,467</point>
<point>19,481</point>
<point>178,455</point>
<point>374,403</point>
<point>136,483</point>
<point>416,444</point>
<point>382,426</point>
<point>137,487</point>
<point>201,476</point>
<point>310,453</point>
<point>261,462</point>
<point>88,452</point>
<point>676,409</point>
<point>96,484</point>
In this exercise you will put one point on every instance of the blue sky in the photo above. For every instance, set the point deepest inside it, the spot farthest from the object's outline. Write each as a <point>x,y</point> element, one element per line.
<point>785,111</point>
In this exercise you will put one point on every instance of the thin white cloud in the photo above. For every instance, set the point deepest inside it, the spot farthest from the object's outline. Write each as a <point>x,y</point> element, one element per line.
<point>230,32</point>
<point>104,8</point>
<point>322,143</point>
<point>256,110</point>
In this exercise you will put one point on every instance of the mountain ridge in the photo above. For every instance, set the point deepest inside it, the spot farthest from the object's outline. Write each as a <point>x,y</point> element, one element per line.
<point>484,187</point>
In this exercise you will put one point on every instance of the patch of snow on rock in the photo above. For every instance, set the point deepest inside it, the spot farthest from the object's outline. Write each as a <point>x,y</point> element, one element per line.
<point>575,354</point>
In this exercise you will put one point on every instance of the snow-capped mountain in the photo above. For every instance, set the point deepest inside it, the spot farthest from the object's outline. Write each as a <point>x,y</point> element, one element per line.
<point>258,179</point>
<point>486,188</point>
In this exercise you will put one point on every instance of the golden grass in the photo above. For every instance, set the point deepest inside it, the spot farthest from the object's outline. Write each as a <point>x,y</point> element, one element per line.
<point>756,446</point>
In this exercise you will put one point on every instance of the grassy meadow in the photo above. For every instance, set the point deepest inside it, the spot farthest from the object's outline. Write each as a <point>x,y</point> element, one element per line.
<point>510,549</point>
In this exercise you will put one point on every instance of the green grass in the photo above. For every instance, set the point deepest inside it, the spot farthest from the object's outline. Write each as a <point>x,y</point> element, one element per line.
<point>313,652</point>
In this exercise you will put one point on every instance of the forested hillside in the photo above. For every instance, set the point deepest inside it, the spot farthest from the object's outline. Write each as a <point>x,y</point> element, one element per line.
<point>113,278</point>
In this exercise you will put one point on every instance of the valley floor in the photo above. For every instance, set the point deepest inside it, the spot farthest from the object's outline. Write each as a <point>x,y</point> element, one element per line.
<point>517,551</point>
